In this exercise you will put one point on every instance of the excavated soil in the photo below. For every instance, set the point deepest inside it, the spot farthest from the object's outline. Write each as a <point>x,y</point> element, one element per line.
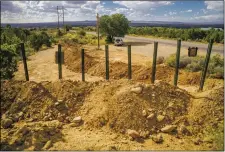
<point>95,66</point>
<point>39,115</point>
<point>110,106</point>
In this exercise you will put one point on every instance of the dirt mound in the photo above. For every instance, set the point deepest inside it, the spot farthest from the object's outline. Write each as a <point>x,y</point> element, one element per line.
<point>116,105</point>
<point>111,102</point>
<point>31,136</point>
<point>190,78</point>
<point>207,108</point>
<point>117,69</point>
<point>119,108</point>
<point>73,59</point>
<point>30,98</point>
<point>41,101</point>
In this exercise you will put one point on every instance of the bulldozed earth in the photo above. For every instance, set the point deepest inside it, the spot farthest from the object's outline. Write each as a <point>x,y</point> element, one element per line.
<point>118,114</point>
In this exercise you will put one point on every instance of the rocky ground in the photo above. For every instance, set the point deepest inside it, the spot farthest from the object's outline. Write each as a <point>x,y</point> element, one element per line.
<point>109,115</point>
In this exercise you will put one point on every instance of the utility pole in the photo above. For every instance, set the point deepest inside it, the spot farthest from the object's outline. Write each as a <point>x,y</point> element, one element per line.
<point>60,13</point>
<point>98,29</point>
<point>63,15</point>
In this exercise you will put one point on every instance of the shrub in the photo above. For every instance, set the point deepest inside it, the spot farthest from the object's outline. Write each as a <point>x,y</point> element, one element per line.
<point>194,67</point>
<point>8,63</point>
<point>217,60</point>
<point>184,61</point>
<point>81,33</point>
<point>218,73</point>
<point>215,67</point>
<point>37,40</point>
<point>171,60</point>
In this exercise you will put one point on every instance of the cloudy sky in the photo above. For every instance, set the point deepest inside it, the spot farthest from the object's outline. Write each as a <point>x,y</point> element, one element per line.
<point>45,11</point>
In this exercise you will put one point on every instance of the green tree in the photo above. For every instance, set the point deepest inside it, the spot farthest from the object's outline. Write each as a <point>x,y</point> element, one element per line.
<point>114,25</point>
<point>8,62</point>
<point>38,39</point>
<point>67,27</point>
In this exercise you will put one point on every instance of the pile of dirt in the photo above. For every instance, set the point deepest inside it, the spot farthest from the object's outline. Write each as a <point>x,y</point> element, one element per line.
<point>117,105</point>
<point>119,108</point>
<point>31,136</point>
<point>112,102</point>
<point>190,78</point>
<point>117,69</point>
<point>41,101</point>
<point>207,108</point>
<point>72,57</point>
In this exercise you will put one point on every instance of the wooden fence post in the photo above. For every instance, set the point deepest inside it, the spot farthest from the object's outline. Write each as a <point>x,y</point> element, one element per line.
<point>107,62</point>
<point>204,71</point>
<point>82,65</point>
<point>24,61</point>
<point>129,62</point>
<point>177,62</point>
<point>60,60</point>
<point>154,61</point>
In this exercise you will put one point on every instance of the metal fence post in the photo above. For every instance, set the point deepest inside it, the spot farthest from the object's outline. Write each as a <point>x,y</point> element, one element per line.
<point>204,71</point>
<point>107,62</point>
<point>177,62</point>
<point>60,60</point>
<point>154,61</point>
<point>129,62</point>
<point>82,65</point>
<point>24,61</point>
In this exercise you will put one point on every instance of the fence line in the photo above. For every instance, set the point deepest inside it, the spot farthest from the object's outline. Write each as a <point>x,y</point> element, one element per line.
<point>60,59</point>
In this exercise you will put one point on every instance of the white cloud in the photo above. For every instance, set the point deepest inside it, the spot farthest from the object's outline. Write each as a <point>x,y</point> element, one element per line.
<point>143,5</point>
<point>138,10</point>
<point>45,11</point>
<point>172,13</point>
<point>187,11</point>
<point>213,17</point>
<point>204,11</point>
<point>214,5</point>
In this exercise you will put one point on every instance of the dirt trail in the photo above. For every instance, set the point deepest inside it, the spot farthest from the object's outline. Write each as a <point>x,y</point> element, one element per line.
<point>42,67</point>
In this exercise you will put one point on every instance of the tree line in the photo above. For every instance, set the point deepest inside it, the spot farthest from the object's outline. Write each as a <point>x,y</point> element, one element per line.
<point>194,34</point>
<point>10,46</point>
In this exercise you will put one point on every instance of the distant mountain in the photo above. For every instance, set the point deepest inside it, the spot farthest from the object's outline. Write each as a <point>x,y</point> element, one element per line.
<point>132,23</point>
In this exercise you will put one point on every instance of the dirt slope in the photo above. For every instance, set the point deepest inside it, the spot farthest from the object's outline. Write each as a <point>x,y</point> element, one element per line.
<point>107,110</point>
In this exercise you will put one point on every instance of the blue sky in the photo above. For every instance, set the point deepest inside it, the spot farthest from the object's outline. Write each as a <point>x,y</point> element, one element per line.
<point>45,11</point>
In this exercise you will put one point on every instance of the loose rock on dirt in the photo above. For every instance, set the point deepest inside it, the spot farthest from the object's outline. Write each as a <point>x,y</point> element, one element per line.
<point>151,116</point>
<point>136,90</point>
<point>157,138</point>
<point>132,133</point>
<point>160,118</point>
<point>169,128</point>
